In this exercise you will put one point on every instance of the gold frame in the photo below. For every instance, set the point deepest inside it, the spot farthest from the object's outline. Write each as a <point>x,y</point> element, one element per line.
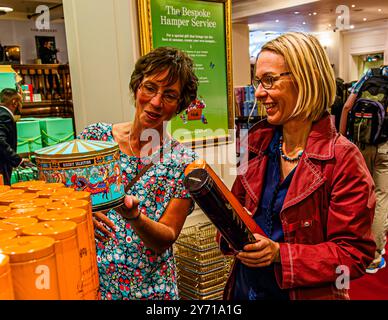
<point>145,32</point>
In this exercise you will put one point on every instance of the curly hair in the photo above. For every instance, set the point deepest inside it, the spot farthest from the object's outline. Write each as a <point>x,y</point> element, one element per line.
<point>180,68</point>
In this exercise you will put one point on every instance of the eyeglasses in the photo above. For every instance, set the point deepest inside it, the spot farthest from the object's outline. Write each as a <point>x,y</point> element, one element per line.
<point>150,90</point>
<point>268,80</point>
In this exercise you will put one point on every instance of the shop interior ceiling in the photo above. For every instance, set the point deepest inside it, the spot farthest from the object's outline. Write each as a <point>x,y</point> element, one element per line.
<point>27,9</point>
<point>264,15</point>
<point>308,15</point>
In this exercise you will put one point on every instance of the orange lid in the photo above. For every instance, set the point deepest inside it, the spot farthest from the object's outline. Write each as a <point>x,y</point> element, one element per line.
<point>56,205</point>
<point>6,235</point>
<point>76,204</point>
<point>4,264</point>
<point>64,190</point>
<point>80,195</point>
<point>11,192</point>
<point>46,186</point>
<point>4,209</point>
<point>32,203</point>
<point>46,193</point>
<point>16,224</point>
<point>56,229</point>
<point>68,203</point>
<point>23,213</point>
<point>59,197</point>
<point>75,214</point>
<point>27,248</point>
<point>4,189</point>
<point>24,185</point>
<point>8,199</point>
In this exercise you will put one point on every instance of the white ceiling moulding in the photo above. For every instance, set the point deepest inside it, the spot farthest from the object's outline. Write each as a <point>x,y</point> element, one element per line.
<point>244,9</point>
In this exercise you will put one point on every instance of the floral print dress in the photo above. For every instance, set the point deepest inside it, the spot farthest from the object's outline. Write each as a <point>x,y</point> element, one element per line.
<point>127,268</point>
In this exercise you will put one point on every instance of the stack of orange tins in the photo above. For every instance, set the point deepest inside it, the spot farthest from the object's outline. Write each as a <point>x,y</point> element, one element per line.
<point>47,245</point>
<point>64,207</point>
<point>67,258</point>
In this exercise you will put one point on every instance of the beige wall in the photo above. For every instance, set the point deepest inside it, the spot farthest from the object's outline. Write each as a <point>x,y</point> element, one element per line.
<point>102,42</point>
<point>240,54</point>
<point>355,43</point>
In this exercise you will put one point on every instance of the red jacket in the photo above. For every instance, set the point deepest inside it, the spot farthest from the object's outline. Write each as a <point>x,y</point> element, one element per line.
<point>326,216</point>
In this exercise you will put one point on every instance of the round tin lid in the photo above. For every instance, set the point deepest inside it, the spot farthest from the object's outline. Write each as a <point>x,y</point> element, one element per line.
<point>27,248</point>
<point>7,235</point>
<point>8,199</point>
<point>24,185</point>
<point>33,203</point>
<point>4,209</point>
<point>16,224</point>
<point>59,230</point>
<point>23,213</point>
<point>75,214</point>
<point>4,188</point>
<point>77,147</point>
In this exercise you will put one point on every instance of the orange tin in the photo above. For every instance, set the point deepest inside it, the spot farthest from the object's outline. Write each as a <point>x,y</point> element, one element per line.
<point>24,185</point>
<point>47,186</point>
<point>4,209</point>
<point>6,292</point>
<point>7,235</point>
<point>4,189</point>
<point>7,199</point>
<point>89,272</point>
<point>33,203</point>
<point>33,267</point>
<point>23,213</point>
<point>66,252</point>
<point>16,224</point>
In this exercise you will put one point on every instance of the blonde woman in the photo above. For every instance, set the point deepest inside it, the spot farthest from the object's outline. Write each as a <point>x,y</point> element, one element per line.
<point>307,186</point>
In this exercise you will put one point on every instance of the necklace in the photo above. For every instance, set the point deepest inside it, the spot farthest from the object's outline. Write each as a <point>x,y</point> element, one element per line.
<point>297,158</point>
<point>130,144</point>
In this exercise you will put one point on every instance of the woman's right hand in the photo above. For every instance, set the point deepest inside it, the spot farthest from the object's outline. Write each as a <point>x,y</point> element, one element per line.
<point>101,222</point>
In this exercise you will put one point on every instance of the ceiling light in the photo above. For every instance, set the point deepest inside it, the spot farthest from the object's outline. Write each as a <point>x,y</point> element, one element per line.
<point>297,12</point>
<point>310,14</point>
<point>353,5</point>
<point>379,10</point>
<point>276,20</point>
<point>352,27</point>
<point>314,13</point>
<point>303,22</point>
<point>364,19</point>
<point>6,9</point>
<point>329,25</point>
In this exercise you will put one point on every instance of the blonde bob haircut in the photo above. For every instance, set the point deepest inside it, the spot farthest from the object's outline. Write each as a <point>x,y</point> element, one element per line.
<point>311,70</point>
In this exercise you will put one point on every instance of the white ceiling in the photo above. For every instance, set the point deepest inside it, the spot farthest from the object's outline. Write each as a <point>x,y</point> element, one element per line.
<point>259,14</point>
<point>262,14</point>
<point>24,8</point>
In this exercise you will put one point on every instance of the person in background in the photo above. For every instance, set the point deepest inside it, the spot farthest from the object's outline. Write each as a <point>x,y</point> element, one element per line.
<point>135,257</point>
<point>10,106</point>
<point>47,54</point>
<point>306,186</point>
<point>376,157</point>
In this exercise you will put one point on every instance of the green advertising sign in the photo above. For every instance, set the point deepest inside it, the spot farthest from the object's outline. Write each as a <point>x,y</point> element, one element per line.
<point>198,28</point>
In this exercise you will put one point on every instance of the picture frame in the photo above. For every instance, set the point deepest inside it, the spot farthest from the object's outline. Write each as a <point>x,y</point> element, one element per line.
<point>202,29</point>
<point>39,42</point>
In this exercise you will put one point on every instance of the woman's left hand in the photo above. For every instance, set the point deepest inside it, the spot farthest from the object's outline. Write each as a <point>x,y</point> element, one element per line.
<point>262,253</point>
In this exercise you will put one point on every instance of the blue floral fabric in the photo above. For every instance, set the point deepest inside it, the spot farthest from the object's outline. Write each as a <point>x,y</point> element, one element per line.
<point>127,268</point>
